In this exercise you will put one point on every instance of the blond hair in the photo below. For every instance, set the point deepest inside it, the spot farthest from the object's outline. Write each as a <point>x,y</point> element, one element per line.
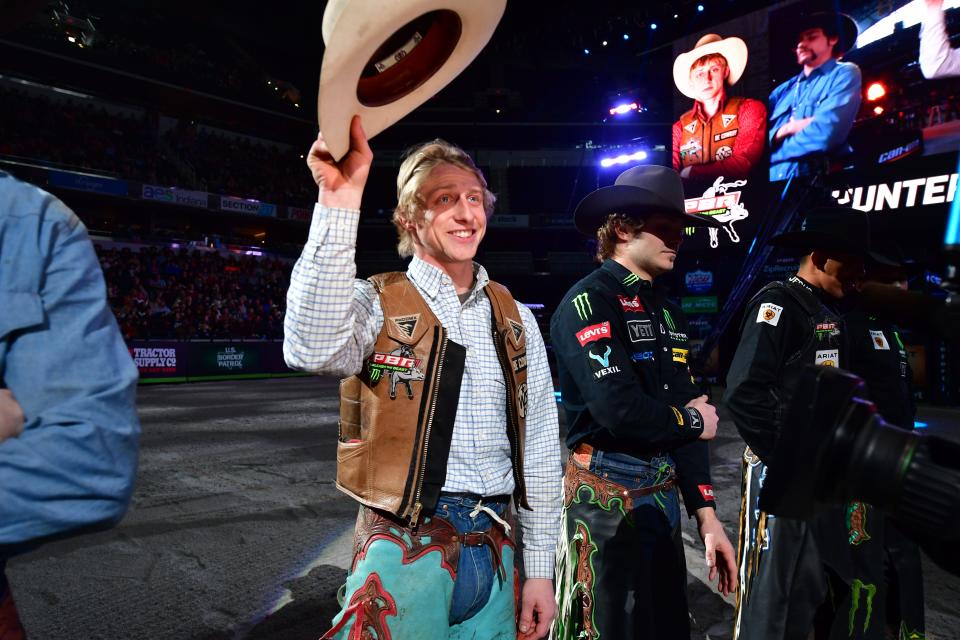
<point>607,233</point>
<point>703,61</point>
<point>416,167</point>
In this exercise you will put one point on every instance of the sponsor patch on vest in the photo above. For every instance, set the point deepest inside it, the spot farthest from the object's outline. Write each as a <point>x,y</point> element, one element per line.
<point>717,137</point>
<point>593,333</point>
<point>517,329</point>
<point>680,355</point>
<point>723,153</point>
<point>400,365</point>
<point>677,415</point>
<point>827,329</point>
<point>640,330</point>
<point>692,127</point>
<point>727,118</point>
<point>519,362</point>
<point>769,313</point>
<point>643,356</point>
<point>879,340</point>
<point>631,305</point>
<point>827,357</point>
<point>522,400</point>
<point>706,490</point>
<point>599,357</point>
<point>407,325</point>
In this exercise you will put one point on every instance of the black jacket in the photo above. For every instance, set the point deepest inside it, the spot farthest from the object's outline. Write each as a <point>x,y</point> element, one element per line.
<point>622,352</point>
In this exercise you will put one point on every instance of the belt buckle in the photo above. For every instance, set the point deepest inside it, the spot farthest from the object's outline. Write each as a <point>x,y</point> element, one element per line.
<point>473,538</point>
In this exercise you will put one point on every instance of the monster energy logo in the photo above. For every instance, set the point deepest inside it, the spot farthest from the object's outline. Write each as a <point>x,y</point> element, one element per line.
<point>855,589</point>
<point>374,374</point>
<point>581,302</point>
<point>669,319</point>
<point>906,634</point>
<point>631,279</point>
<point>896,336</point>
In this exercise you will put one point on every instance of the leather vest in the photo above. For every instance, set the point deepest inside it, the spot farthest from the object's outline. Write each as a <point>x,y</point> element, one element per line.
<point>702,142</point>
<point>397,414</point>
<point>824,345</point>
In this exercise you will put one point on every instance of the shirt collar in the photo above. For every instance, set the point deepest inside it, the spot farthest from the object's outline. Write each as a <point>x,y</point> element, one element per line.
<point>823,69</point>
<point>698,109</point>
<point>630,281</point>
<point>431,279</point>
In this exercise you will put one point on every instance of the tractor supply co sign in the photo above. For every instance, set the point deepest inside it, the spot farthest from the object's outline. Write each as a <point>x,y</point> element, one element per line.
<point>159,359</point>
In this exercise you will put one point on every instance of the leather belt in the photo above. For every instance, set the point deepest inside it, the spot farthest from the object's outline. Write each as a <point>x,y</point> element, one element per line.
<point>605,490</point>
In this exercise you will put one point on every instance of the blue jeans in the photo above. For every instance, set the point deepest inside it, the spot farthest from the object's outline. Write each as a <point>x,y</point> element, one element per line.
<point>636,473</point>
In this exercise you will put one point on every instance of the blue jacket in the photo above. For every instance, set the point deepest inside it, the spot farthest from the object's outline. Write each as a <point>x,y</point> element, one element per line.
<point>831,95</point>
<point>63,358</point>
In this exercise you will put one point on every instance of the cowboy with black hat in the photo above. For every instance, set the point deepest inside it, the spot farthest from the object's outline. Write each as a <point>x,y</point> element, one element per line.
<point>637,425</point>
<point>796,575</point>
<point>811,114</point>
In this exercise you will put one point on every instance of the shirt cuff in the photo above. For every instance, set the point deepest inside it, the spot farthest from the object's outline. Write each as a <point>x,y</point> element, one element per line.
<point>538,564</point>
<point>334,225</point>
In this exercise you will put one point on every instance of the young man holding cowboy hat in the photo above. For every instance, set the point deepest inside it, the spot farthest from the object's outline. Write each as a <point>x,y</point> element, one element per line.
<point>812,113</point>
<point>637,425</point>
<point>720,135</point>
<point>824,574</point>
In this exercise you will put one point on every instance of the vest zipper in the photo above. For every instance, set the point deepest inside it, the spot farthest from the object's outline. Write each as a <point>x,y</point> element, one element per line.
<point>417,506</point>
<point>511,418</point>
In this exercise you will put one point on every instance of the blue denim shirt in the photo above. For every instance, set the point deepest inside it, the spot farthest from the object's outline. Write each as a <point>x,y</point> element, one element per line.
<point>63,358</point>
<point>831,95</point>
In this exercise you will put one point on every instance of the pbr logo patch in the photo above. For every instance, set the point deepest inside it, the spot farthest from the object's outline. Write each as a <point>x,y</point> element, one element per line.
<point>827,330</point>
<point>769,313</point>
<point>827,358</point>
<point>519,362</point>
<point>402,367</point>
<point>600,362</point>
<point>406,324</point>
<point>640,330</point>
<point>879,340</point>
<point>593,333</point>
<point>631,305</point>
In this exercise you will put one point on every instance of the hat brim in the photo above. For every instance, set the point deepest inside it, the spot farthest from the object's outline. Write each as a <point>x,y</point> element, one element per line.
<point>353,35</point>
<point>815,240</point>
<point>595,207</point>
<point>733,49</point>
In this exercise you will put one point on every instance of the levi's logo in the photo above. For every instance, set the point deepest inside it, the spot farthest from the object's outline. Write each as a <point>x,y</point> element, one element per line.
<point>593,333</point>
<point>395,361</point>
<point>706,490</point>
<point>631,305</point>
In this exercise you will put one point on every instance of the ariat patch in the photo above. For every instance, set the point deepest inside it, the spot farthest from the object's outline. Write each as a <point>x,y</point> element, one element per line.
<point>827,357</point>
<point>407,325</point>
<point>517,329</point>
<point>769,313</point>
<point>727,118</point>
<point>879,340</point>
<point>680,355</point>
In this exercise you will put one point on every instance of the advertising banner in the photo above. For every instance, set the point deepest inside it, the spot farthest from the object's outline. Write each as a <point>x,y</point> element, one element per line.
<point>172,195</point>
<point>249,207</point>
<point>84,182</point>
<point>171,361</point>
<point>159,359</point>
<point>226,358</point>
<point>699,304</point>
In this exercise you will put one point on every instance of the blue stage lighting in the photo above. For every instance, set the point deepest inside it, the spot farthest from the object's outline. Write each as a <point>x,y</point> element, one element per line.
<point>626,36</point>
<point>699,7</point>
<point>653,26</point>
<point>623,158</point>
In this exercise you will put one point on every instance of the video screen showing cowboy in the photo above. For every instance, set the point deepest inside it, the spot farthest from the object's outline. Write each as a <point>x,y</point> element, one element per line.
<point>722,135</point>
<point>812,112</point>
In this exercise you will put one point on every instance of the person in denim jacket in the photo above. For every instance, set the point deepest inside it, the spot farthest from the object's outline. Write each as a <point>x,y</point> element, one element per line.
<point>69,430</point>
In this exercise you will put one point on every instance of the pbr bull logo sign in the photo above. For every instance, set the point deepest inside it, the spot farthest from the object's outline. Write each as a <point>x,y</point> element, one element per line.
<point>401,365</point>
<point>723,205</point>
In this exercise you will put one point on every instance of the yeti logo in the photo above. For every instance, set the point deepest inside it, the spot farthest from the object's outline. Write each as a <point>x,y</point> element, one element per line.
<point>401,365</point>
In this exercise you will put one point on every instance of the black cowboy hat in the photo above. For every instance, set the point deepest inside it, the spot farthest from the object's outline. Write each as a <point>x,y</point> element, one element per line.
<point>640,190</point>
<point>832,22</point>
<point>887,258</point>
<point>831,228</point>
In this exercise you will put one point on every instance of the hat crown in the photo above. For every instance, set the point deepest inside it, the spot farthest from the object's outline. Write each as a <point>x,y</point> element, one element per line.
<point>707,39</point>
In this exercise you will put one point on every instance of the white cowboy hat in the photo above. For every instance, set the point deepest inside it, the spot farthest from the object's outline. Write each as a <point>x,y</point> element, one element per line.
<point>384,58</point>
<point>734,50</point>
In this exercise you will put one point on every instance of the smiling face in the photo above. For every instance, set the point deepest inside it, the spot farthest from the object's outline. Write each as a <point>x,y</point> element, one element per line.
<point>653,250</point>
<point>454,221</point>
<point>814,48</point>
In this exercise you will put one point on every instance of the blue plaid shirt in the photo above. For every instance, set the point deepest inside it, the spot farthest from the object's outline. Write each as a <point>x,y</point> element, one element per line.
<point>332,323</point>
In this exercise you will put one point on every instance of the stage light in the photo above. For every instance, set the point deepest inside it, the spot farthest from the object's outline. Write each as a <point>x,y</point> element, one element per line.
<point>604,43</point>
<point>586,52</point>
<point>621,109</point>
<point>653,26</point>
<point>623,159</point>
<point>71,39</point>
<point>675,16</point>
<point>878,110</point>
<point>876,91</point>
<point>626,36</point>
<point>699,7</point>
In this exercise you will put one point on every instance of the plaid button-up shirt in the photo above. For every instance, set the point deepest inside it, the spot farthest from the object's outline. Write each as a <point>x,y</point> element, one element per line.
<point>332,323</point>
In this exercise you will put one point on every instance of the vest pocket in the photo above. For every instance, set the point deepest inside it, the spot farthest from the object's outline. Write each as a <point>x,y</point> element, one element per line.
<point>349,425</point>
<point>352,473</point>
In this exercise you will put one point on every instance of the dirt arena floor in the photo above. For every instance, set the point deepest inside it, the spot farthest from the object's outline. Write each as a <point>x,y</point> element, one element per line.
<point>236,529</point>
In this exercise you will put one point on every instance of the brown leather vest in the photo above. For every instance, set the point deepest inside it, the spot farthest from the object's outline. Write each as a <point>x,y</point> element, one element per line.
<point>397,414</point>
<point>702,142</point>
